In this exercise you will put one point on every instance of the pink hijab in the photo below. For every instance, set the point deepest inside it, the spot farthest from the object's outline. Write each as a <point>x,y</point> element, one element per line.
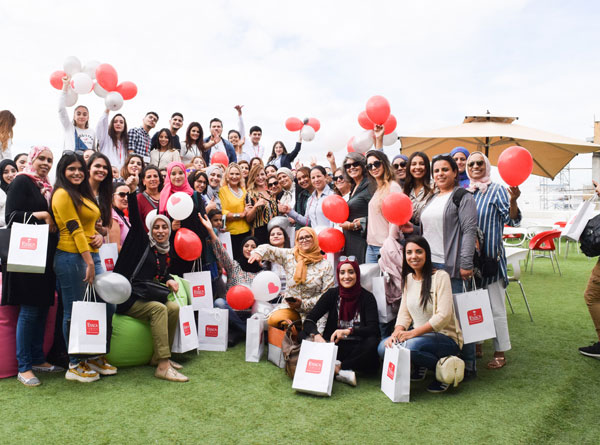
<point>42,183</point>
<point>169,188</point>
<point>481,184</point>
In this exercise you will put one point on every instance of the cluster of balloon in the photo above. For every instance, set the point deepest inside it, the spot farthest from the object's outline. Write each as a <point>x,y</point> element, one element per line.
<point>308,127</point>
<point>377,112</point>
<point>515,164</point>
<point>331,240</point>
<point>187,244</point>
<point>240,297</point>
<point>397,208</point>
<point>335,209</point>
<point>101,78</point>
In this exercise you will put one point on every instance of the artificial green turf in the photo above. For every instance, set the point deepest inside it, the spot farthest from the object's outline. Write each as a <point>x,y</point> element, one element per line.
<point>547,393</point>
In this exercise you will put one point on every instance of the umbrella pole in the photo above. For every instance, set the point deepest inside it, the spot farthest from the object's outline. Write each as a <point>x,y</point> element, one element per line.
<point>487,147</point>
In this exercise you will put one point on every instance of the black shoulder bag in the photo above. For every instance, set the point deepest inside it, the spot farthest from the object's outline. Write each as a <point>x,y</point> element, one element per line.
<point>149,290</point>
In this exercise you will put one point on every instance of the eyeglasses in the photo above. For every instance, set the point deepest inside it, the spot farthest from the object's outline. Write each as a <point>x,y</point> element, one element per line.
<point>399,165</point>
<point>273,184</point>
<point>347,258</point>
<point>350,165</point>
<point>375,164</point>
<point>338,178</point>
<point>472,163</point>
<point>121,194</point>
<point>304,239</point>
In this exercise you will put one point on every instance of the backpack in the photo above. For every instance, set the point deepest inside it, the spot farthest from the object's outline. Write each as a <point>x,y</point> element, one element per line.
<point>590,237</point>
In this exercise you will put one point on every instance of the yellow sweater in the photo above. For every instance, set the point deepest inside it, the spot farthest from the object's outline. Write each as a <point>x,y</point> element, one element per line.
<point>231,204</point>
<point>81,221</point>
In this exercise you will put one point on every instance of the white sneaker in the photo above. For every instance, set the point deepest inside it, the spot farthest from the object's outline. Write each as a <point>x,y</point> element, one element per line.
<point>101,366</point>
<point>82,373</point>
<point>346,376</point>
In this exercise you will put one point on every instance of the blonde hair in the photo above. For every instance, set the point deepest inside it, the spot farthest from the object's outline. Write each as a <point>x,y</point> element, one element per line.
<point>7,122</point>
<point>254,171</point>
<point>225,178</point>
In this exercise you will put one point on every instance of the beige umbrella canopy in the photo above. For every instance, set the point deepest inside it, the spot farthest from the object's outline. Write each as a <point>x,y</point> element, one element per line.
<point>492,134</point>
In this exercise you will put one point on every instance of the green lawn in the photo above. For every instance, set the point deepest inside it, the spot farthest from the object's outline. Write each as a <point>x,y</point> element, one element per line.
<point>547,393</point>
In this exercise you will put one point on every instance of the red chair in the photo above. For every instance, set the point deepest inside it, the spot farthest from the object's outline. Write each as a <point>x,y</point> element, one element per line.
<point>544,242</point>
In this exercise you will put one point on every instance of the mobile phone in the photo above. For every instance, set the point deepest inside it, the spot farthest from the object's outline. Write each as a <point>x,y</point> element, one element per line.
<point>291,299</point>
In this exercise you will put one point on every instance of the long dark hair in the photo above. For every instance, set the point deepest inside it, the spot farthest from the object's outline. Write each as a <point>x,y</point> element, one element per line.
<point>168,133</point>
<point>188,137</point>
<point>427,268</point>
<point>76,193</point>
<point>388,173</point>
<point>273,154</point>
<point>105,190</point>
<point>161,183</point>
<point>113,134</point>
<point>124,172</point>
<point>410,182</point>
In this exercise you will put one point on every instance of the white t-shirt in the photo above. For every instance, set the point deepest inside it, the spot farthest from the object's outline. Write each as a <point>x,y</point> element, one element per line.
<point>217,148</point>
<point>432,219</point>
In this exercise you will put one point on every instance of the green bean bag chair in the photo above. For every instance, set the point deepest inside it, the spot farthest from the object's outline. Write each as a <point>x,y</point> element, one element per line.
<point>131,342</point>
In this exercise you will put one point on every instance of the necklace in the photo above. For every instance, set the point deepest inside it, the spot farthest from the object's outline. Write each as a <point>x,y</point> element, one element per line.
<point>237,194</point>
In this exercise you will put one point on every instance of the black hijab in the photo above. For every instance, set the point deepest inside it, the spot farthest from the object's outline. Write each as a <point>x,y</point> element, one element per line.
<point>243,261</point>
<point>5,163</point>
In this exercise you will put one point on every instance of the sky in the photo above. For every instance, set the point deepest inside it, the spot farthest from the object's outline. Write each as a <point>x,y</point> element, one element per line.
<point>435,61</point>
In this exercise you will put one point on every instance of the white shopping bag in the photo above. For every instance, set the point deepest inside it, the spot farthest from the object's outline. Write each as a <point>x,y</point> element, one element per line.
<point>576,224</point>
<point>274,352</point>
<point>255,337</point>
<point>225,238</point>
<point>201,287</point>
<point>213,329</point>
<point>108,256</point>
<point>315,369</point>
<point>87,334</point>
<point>395,376</point>
<point>186,336</point>
<point>27,248</point>
<point>334,259</point>
<point>474,314</point>
<point>383,308</point>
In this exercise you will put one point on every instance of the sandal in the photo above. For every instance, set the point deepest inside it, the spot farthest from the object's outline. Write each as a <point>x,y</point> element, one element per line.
<point>496,363</point>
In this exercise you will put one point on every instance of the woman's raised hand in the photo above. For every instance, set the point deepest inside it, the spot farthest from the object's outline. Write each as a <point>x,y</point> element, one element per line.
<point>132,183</point>
<point>208,225</point>
<point>254,257</point>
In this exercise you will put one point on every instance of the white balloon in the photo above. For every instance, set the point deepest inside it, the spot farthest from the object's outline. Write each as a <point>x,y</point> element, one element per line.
<point>151,214</point>
<point>113,101</point>
<point>279,221</point>
<point>82,83</point>
<point>390,139</point>
<point>100,92</point>
<point>71,98</point>
<point>266,286</point>
<point>262,307</point>
<point>180,205</point>
<point>112,287</point>
<point>363,141</point>
<point>72,65</point>
<point>90,68</point>
<point>307,133</point>
<point>368,271</point>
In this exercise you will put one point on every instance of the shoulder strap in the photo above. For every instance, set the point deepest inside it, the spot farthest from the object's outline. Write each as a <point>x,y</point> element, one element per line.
<point>139,264</point>
<point>149,200</point>
<point>458,196</point>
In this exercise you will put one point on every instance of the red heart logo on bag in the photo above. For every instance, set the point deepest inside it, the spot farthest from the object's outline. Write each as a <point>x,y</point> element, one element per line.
<point>272,288</point>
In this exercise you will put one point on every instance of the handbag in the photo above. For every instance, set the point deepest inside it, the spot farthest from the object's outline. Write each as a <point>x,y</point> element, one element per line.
<point>450,370</point>
<point>147,289</point>
<point>290,346</point>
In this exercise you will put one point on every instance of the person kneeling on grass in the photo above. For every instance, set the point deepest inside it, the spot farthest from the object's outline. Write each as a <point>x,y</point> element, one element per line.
<point>426,304</point>
<point>352,323</point>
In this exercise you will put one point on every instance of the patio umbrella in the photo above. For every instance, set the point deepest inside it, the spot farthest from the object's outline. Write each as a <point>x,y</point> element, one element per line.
<point>492,134</point>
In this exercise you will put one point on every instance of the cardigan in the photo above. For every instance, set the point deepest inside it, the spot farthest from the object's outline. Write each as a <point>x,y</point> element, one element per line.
<point>285,160</point>
<point>358,203</point>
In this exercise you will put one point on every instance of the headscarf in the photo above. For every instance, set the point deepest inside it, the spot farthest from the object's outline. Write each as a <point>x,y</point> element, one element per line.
<point>42,183</point>
<point>212,192</point>
<point>481,184</point>
<point>5,163</point>
<point>161,247</point>
<point>287,171</point>
<point>349,297</point>
<point>303,259</point>
<point>169,189</point>
<point>400,156</point>
<point>243,261</point>
<point>463,178</point>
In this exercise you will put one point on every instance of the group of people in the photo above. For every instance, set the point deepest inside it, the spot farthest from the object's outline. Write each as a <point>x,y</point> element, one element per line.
<point>109,181</point>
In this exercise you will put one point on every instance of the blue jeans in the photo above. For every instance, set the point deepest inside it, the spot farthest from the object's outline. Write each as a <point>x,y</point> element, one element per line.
<point>372,254</point>
<point>427,349</point>
<point>30,336</point>
<point>70,271</point>
<point>234,317</point>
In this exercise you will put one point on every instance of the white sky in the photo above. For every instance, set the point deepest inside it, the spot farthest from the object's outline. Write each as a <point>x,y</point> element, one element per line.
<point>436,61</point>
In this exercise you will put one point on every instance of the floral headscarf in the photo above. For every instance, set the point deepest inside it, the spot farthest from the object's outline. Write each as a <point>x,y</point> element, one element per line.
<point>42,183</point>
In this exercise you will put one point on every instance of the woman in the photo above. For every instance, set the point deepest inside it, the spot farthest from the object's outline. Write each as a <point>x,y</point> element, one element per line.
<point>308,275</point>
<point>417,184</point>
<point>399,163</point>
<point>496,207</point>
<point>7,122</point>
<point>342,186</point>
<point>355,229</point>
<point>280,157</point>
<point>460,155</point>
<point>165,153</point>
<point>27,201</point>
<point>152,252</point>
<point>278,237</point>
<point>21,161</point>
<point>245,168</point>
<point>314,212</point>
<point>112,138</point>
<point>120,222</point>
<point>77,262</point>
<point>78,136</point>
<point>134,164</point>
<point>152,185</point>
<point>383,178</point>
<point>101,183</point>
<point>8,171</point>
<point>193,145</point>
<point>303,192</point>
<point>215,175</point>
<point>261,206</point>
<point>352,323</point>
<point>198,163</point>
<point>256,161</point>
<point>233,205</point>
<point>198,181</point>
<point>235,138</point>
<point>428,306</point>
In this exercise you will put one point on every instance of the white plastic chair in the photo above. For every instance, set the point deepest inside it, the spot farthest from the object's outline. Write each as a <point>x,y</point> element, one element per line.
<point>513,258</point>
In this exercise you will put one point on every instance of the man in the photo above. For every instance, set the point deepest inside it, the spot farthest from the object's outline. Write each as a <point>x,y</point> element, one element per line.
<point>139,139</point>
<point>175,124</point>
<point>252,146</point>
<point>216,144</point>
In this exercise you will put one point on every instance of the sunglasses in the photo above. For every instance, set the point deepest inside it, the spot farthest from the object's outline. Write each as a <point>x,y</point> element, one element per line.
<point>350,165</point>
<point>347,258</point>
<point>400,165</point>
<point>472,164</point>
<point>273,184</point>
<point>121,194</point>
<point>375,164</point>
<point>338,178</point>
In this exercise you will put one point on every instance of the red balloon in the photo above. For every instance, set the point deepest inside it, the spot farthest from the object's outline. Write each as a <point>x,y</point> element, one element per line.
<point>335,209</point>
<point>56,79</point>
<point>378,110</point>
<point>127,89</point>
<point>331,240</point>
<point>240,297</point>
<point>515,164</point>
<point>220,158</point>
<point>364,121</point>
<point>293,124</point>
<point>349,146</point>
<point>187,244</point>
<point>314,122</point>
<point>390,124</point>
<point>397,208</point>
<point>106,76</point>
